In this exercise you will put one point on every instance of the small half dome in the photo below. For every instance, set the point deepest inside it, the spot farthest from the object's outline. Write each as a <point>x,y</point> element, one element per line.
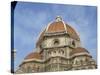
<point>79,50</point>
<point>34,55</point>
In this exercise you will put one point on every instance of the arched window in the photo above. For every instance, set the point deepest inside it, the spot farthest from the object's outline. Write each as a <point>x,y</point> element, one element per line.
<point>56,42</point>
<point>73,43</point>
<point>62,52</point>
<point>54,51</point>
<point>86,59</point>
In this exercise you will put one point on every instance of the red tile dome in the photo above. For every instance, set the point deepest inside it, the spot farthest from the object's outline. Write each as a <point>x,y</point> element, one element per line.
<point>56,27</point>
<point>59,26</point>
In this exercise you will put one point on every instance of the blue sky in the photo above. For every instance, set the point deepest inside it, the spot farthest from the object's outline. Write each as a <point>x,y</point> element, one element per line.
<point>31,18</point>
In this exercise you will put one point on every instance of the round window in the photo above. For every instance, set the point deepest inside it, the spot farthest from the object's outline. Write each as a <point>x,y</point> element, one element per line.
<point>56,42</point>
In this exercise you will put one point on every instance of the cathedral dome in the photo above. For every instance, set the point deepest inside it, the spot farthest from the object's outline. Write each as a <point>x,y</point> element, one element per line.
<point>34,55</point>
<point>58,26</point>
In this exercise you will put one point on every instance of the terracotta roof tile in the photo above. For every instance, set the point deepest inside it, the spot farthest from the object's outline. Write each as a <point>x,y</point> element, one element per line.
<point>40,38</point>
<point>78,50</point>
<point>33,55</point>
<point>56,27</point>
<point>72,32</point>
